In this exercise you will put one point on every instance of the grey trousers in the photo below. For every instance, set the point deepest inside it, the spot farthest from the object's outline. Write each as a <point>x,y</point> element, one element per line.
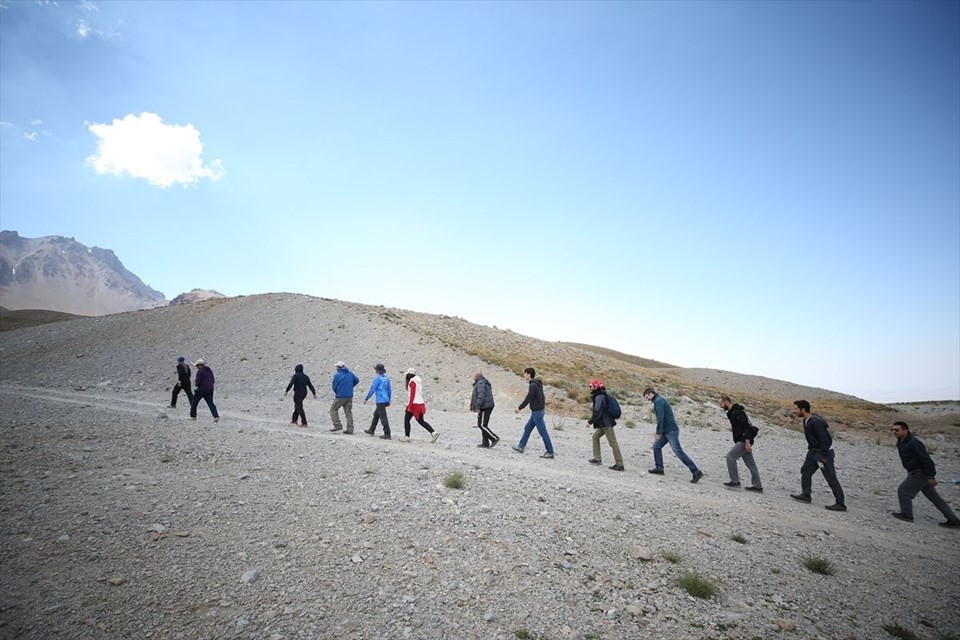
<point>347,404</point>
<point>739,451</point>
<point>917,482</point>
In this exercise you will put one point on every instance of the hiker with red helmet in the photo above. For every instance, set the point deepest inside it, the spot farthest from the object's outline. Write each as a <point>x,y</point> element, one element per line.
<point>603,423</point>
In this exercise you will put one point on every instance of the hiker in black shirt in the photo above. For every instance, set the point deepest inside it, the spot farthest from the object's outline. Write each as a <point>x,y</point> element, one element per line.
<point>183,382</point>
<point>819,456</point>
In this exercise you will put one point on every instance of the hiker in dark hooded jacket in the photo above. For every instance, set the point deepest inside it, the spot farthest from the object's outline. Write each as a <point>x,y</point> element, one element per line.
<point>742,445</point>
<point>300,382</point>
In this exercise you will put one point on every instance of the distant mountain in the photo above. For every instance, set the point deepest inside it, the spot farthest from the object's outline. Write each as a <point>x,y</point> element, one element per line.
<point>61,274</point>
<point>195,295</point>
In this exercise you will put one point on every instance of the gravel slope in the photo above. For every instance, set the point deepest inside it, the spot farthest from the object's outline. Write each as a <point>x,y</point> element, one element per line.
<point>121,519</point>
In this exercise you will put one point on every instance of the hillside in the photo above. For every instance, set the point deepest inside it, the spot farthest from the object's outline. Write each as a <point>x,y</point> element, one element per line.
<point>121,518</point>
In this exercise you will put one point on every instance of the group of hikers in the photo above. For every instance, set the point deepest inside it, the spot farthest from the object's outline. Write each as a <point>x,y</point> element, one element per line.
<point>605,412</point>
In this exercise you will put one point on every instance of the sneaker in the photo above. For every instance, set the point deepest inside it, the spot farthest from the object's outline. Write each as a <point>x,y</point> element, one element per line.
<point>518,449</point>
<point>594,461</point>
<point>348,432</point>
<point>483,446</point>
<point>547,455</point>
<point>616,467</point>
<point>950,524</point>
<point>494,443</point>
<point>696,477</point>
<point>902,516</point>
<point>802,497</point>
<point>435,436</point>
<point>304,424</point>
<point>216,419</point>
<point>404,438</point>
<point>757,489</point>
<point>836,507</point>
<point>171,406</point>
<point>293,422</point>
<point>369,432</point>
<point>656,472</point>
<point>731,484</point>
<point>192,418</point>
<point>336,429</point>
<point>385,436</point>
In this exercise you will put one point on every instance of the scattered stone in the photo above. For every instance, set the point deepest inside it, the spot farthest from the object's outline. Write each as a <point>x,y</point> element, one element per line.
<point>250,576</point>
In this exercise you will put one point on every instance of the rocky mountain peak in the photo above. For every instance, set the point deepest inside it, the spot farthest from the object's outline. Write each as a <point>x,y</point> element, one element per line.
<point>61,274</point>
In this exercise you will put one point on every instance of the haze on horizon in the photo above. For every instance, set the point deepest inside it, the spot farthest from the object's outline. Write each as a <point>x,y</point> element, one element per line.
<point>765,188</point>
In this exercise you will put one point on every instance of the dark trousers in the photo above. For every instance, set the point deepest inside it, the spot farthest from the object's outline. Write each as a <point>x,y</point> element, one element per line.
<point>483,419</point>
<point>298,411</point>
<point>810,466</point>
<point>177,388</point>
<point>380,415</point>
<point>199,395</point>
<point>919,482</point>
<point>406,423</point>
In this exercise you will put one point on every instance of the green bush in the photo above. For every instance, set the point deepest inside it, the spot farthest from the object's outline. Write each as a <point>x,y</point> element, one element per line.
<point>819,565</point>
<point>454,481</point>
<point>697,586</point>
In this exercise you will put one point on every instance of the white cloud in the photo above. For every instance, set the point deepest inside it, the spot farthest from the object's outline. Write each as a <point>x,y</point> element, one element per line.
<point>31,136</point>
<point>144,147</point>
<point>88,6</point>
<point>36,122</point>
<point>5,125</point>
<point>83,28</point>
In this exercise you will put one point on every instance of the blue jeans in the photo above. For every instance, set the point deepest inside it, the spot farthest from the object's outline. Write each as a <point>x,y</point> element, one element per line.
<point>673,437</point>
<point>536,420</point>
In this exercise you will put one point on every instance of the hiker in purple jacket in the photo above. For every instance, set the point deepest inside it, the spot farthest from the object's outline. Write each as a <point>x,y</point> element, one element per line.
<point>204,391</point>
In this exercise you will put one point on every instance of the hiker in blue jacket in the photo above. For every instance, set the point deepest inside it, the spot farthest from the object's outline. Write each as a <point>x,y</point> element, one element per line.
<point>383,394</point>
<point>343,383</point>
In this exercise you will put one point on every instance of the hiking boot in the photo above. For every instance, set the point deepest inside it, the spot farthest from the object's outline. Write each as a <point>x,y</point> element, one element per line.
<point>594,461</point>
<point>304,423</point>
<point>336,429</point>
<point>902,516</point>
<point>435,436</point>
<point>950,524</point>
<point>547,455</point>
<point>348,432</point>
<point>656,472</point>
<point>696,477</point>
<point>616,467</point>
<point>518,449</point>
<point>369,432</point>
<point>757,489</point>
<point>802,497</point>
<point>731,484</point>
<point>836,507</point>
<point>385,436</point>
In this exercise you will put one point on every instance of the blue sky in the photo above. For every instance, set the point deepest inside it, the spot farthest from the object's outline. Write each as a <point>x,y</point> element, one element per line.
<point>768,188</point>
